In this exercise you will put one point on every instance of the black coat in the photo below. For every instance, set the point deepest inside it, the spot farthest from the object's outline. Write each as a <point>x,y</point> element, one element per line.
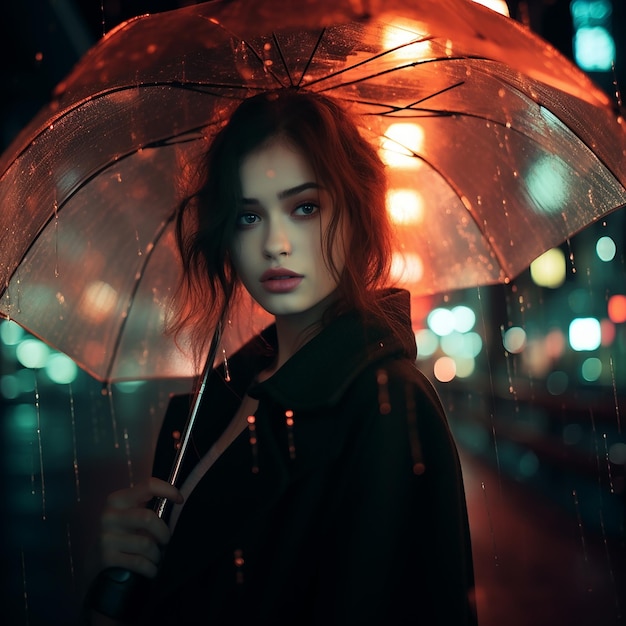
<point>355,514</point>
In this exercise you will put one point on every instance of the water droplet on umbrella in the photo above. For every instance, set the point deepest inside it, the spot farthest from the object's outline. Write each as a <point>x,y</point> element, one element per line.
<point>55,207</point>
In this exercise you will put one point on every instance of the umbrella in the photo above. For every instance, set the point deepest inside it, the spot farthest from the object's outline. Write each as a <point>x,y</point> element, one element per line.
<point>498,149</point>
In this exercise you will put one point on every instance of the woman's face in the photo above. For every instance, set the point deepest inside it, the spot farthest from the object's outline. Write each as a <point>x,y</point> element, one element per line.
<point>278,248</point>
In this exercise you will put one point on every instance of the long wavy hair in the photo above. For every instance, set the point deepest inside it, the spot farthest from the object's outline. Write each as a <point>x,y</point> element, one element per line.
<point>344,161</point>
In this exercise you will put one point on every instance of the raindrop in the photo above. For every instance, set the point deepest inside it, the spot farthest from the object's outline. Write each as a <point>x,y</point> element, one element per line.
<point>24,587</point>
<point>69,552</point>
<point>139,252</point>
<point>56,237</point>
<point>129,462</point>
<point>580,525</point>
<point>595,443</point>
<point>226,368</point>
<point>491,530</point>
<point>617,414</point>
<point>608,463</point>
<point>108,391</point>
<point>74,447</point>
<point>608,559</point>
<point>571,255</point>
<point>39,442</point>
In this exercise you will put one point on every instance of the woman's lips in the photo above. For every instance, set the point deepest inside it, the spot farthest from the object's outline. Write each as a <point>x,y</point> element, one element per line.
<point>279,280</point>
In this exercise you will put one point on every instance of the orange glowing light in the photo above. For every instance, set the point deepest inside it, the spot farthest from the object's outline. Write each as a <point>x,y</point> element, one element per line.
<point>617,309</point>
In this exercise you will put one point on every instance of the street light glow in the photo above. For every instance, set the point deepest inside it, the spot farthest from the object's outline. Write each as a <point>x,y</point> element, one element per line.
<point>585,334</point>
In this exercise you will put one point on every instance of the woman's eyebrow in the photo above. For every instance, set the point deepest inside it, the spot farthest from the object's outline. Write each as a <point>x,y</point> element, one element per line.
<point>287,193</point>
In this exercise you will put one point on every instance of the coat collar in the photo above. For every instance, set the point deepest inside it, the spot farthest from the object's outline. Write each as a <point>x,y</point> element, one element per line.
<point>319,373</point>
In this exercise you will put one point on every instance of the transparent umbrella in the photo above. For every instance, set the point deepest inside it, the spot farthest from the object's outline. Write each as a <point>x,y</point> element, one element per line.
<point>498,148</point>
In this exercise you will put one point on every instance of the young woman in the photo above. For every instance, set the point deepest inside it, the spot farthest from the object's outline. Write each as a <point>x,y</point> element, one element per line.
<point>323,486</point>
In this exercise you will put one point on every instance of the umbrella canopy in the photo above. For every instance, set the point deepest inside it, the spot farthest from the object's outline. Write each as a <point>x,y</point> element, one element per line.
<point>498,149</point>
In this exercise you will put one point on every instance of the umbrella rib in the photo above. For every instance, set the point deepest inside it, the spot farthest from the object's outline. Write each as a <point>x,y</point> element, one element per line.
<point>374,58</point>
<point>382,72</point>
<point>283,60</point>
<point>249,46</point>
<point>410,107</point>
<point>310,59</point>
<point>500,259</point>
<point>133,293</point>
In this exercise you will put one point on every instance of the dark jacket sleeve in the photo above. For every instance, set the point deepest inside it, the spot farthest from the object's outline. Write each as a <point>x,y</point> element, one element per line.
<point>399,549</point>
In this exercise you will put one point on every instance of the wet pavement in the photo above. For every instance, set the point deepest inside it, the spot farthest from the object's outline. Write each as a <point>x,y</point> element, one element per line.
<point>534,564</point>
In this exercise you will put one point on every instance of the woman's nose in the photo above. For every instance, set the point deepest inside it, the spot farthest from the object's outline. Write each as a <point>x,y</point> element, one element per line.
<point>277,241</point>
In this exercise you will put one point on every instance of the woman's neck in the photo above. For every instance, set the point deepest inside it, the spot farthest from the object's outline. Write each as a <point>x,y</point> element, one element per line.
<point>294,331</point>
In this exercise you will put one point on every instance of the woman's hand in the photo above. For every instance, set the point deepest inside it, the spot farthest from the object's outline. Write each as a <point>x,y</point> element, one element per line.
<point>132,535</point>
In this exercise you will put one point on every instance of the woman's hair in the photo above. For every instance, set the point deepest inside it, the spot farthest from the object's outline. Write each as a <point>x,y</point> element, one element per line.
<point>344,162</point>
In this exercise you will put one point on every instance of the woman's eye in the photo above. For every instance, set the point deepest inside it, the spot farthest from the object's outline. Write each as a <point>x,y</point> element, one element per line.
<point>247,219</point>
<point>306,209</point>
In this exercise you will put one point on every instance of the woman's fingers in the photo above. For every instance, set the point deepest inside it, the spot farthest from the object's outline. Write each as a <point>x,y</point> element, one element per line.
<point>142,494</point>
<point>138,553</point>
<point>136,521</point>
<point>133,562</point>
<point>132,534</point>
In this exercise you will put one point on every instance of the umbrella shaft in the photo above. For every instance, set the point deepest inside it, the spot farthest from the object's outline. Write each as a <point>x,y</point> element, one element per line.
<point>161,503</point>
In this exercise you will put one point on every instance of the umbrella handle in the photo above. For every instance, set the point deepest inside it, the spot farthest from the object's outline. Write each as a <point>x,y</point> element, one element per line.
<point>117,592</point>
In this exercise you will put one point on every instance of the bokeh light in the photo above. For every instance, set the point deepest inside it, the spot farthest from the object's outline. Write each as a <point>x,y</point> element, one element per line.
<point>465,366</point>
<point>557,382</point>
<point>548,270</point>
<point>617,309</point>
<point>61,369</point>
<point>401,143</point>
<point>500,6</point>
<point>572,434</point>
<point>528,464</point>
<point>464,318</point>
<point>32,353</point>
<point>591,369</point>
<point>606,249</point>
<point>405,206</point>
<point>441,321</point>
<point>427,343</point>
<point>617,453</point>
<point>547,181</point>
<point>407,268</point>
<point>444,369</point>
<point>585,334</point>
<point>11,333</point>
<point>514,339</point>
